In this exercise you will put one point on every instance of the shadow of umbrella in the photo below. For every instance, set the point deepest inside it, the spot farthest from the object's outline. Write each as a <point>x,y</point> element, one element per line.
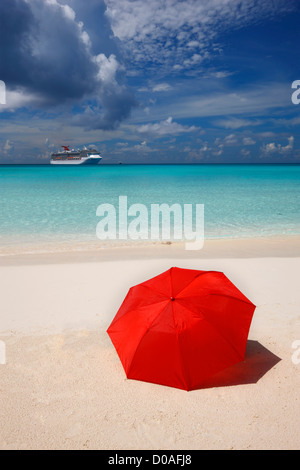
<point>258,361</point>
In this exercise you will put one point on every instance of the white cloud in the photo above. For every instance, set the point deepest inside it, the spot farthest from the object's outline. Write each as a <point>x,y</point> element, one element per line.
<point>141,148</point>
<point>20,98</point>
<point>70,14</point>
<point>236,123</point>
<point>272,147</point>
<point>161,87</point>
<point>248,141</point>
<point>167,127</point>
<point>84,35</point>
<point>230,139</point>
<point>287,122</point>
<point>219,105</point>
<point>205,151</point>
<point>193,44</point>
<point>107,67</point>
<point>167,32</point>
<point>137,19</point>
<point>220,74</point>
<point>245,152</point>
<point>195,59</point>
<point>8,146</point>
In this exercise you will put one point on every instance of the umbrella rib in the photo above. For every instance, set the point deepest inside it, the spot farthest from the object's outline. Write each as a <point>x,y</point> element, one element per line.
<point>195,278</point>
<point>179,351</point>
<point>153,288</point>
<point>217,330</point>
<point>247,301</point>
<point>221,295</point>
<point>145,332</point>
<point>129,311</point>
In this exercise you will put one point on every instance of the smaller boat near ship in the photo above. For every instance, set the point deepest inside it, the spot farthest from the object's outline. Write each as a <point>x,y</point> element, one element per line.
<point>75,156</point>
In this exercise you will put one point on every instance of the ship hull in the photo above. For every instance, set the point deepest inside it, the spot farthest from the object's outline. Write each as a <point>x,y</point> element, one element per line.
<point>82,161</point>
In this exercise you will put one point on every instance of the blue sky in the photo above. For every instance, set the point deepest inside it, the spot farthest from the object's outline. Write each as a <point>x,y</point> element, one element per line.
<point>173,81</point>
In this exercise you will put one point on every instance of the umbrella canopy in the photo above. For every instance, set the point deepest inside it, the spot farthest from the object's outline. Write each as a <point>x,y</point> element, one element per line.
<point>181,327</point>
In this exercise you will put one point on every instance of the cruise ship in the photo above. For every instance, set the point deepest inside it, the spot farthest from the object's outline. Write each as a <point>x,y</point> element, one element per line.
<point>75,157</point>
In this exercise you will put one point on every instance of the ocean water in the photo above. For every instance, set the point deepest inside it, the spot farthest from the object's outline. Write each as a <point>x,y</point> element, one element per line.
<point>47,204</point>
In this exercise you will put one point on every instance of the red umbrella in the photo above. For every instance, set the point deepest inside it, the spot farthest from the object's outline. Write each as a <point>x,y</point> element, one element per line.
<point>181,327</point>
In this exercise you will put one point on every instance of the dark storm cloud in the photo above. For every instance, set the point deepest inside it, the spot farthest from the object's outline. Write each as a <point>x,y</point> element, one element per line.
<point>45,50</point>
<point>43,53</point>
<point>16,26</point>
<point>116,107</point>
<point>90,12</point>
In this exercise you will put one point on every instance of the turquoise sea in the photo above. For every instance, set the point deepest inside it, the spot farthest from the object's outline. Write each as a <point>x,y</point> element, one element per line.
<point>43,203</point>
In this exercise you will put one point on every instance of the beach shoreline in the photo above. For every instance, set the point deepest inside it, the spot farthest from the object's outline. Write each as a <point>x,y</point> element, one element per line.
<point>63,386</point>
<point>260,247</point>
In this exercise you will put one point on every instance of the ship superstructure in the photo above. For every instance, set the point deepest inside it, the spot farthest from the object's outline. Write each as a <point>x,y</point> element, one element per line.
<point>86,156</point>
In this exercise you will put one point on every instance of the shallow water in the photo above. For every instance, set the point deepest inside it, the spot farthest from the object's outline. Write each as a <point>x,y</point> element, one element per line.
<point>43,203</point>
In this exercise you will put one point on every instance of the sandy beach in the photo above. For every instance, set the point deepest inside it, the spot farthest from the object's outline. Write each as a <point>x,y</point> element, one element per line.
<point>137,137</point>
<point>63,386</point>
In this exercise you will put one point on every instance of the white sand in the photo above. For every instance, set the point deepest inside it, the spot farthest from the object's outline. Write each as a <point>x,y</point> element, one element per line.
<point>63,386</point>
